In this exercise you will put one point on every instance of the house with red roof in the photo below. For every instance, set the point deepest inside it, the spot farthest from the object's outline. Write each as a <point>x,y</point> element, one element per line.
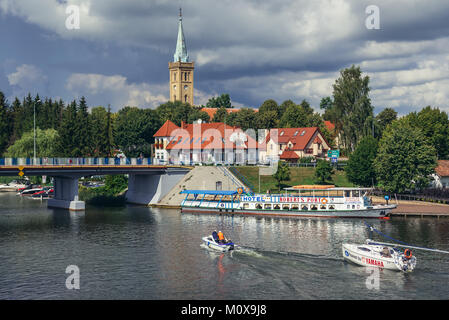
<point>203,143</point>
<point>441,175</point>
<point>291,144</point>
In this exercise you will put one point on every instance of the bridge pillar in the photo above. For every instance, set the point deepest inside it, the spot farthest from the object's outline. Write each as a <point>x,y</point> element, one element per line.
<point>149,189</point>
<point>66,194</point>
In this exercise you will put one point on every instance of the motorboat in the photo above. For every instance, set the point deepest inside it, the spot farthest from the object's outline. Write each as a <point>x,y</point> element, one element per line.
<point>30,191</point>
<point>373,254</point>
<point>13,186</point>
<point>223,247</point>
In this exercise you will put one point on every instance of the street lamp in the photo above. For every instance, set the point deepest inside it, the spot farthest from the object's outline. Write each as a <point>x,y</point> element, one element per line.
<point>34,107</point>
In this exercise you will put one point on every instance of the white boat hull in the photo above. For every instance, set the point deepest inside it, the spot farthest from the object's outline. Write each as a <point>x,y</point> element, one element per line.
<point>210,243</point>
<point>370,256</point>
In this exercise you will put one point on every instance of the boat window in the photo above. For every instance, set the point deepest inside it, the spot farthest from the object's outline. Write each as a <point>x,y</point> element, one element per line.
<point>353,206</point>
<point>276,207</point>
<point>259,206</point>
<point>268,206</point>
<point>304,207</point>
<point>245,205</point>
<point>356,193</point>
<point>285,207</point>
<point>347,193</point>
<point>314,207</point>
<point>323,207</point>
<point>364,249</point>
<point>295,207</point>
<point>331,208</point>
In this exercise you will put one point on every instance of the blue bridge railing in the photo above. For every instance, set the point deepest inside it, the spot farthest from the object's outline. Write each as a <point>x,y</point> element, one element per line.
<point>74,161</point>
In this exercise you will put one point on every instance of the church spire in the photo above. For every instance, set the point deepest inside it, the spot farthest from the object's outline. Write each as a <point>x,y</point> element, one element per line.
<point>181,48</point>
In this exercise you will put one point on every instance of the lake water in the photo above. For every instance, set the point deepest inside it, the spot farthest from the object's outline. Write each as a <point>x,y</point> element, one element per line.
<point>141,253</point>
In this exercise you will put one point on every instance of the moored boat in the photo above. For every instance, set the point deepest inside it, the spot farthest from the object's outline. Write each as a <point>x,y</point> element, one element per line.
<point>301,201</point>
<point>13,186</point>
<point>372,254</point>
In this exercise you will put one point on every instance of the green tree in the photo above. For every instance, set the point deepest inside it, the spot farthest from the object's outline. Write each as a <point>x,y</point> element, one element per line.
<point>360,166</point>
<point>323,172</point>
<point>134,129</point>
<point>67,145</point>
<point>83,134</point>
<point>46,141</point>
<point>223,100</point>
<point>405,158</point>
<point>220,115</point>
<point>282,174</point>
<point>352,108</point>
<point>4,127</point>
<point>245,118</point>
<point>434,125</point>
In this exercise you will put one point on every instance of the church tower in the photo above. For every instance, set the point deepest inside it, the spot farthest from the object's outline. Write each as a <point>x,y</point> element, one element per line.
<point>181,70</point>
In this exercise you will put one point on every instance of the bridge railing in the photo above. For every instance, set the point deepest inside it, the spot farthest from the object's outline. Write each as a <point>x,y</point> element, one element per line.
<point>74,161</point>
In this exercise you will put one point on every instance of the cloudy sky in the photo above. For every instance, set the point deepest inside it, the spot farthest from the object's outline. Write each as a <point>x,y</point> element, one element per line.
<point>254,50</point>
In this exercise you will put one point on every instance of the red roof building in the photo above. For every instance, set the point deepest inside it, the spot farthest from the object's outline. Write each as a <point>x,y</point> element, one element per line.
<point>290,144</point>
<point>203,142</point>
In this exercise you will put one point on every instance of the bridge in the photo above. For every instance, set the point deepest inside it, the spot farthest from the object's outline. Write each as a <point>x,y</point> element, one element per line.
<point>147,183</point>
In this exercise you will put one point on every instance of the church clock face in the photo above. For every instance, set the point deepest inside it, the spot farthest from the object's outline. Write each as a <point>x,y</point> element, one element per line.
<point>174,87</point>
<point>185,87</point>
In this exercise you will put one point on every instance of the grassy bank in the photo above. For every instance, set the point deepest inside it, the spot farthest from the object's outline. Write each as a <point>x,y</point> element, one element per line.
<point>298,175</point>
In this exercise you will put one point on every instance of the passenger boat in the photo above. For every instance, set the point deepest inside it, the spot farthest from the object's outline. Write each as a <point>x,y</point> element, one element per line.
<point>301,201</point>
<point>223,247</point>
<point>374,254</point>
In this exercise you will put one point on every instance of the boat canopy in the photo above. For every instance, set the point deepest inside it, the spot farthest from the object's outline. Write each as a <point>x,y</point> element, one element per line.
<point>213,192</point>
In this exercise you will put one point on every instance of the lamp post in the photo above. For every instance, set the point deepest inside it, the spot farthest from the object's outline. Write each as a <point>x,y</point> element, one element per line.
<point>34,107</point>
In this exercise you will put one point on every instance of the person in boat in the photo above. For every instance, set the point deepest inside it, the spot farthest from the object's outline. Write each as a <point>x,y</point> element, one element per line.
<point>221,238</point>
<point>385,252</point>
<point>215,236</point>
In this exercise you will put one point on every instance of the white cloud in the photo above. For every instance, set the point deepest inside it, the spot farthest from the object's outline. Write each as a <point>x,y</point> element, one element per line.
<point>27,79</point>
<point>116,90</point>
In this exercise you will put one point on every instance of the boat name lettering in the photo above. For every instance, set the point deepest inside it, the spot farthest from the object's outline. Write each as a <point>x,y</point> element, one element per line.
<point>285,199</point>
<point>372,262</point>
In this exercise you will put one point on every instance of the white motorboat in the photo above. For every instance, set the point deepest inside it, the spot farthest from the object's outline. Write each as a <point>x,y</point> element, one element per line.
<point>223,247</point>
<point>380,255</point>
<point>13,186</point>
<point>29,192</point>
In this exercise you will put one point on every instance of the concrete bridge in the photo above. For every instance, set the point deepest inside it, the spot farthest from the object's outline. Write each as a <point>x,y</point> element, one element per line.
<point>147,183</point>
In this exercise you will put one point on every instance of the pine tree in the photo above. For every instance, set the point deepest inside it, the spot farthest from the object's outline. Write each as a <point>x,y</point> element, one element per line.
<point>4,127</point>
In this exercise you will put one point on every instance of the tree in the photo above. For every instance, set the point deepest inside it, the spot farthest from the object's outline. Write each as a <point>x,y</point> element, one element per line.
<point>134,129</point>
<point>245,119</point>
<point>282,173</point>
<point>46,141</point>
<point>217,102</point>
<point>67,144</point>
<point>4,127</point>
<point>405,158</point>
<point>83,134</point>
<point>360,166</point>
<point>434,125</point>
<point>352,106</point>
<point>323,171</point>
<point>220,115</point>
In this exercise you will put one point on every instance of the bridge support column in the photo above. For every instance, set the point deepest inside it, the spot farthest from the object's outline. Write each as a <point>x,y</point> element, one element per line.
<point>149,189</point>
<point>66,194</point>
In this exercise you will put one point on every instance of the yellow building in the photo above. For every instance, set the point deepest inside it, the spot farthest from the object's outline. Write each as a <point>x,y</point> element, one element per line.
<point>181,70</point>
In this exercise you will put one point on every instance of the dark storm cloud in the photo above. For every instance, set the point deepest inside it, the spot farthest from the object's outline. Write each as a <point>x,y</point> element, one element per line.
<point>255,50</point>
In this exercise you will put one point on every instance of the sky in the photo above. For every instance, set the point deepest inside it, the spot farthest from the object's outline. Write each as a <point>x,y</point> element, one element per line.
<point>251,49</point>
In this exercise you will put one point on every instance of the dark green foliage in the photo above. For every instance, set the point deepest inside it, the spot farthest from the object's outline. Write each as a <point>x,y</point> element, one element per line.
<point>282,174</point>
<point>360,167</point>
<point>323,172</point>
<point>134,129</point>
<point>405,158</point>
